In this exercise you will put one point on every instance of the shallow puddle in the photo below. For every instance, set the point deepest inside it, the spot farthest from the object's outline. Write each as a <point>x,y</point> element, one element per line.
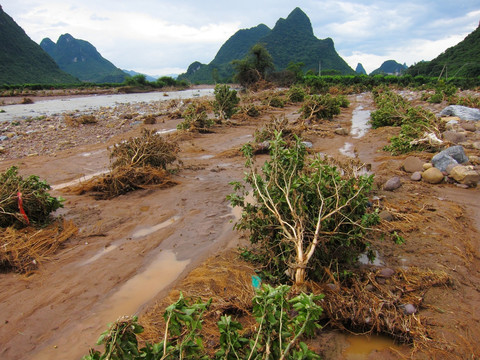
<point>98,255</point>
<point>165,131</point>
<point>360,122</point>
<point>347,150</point>
<point>144,286</point>
<point>78,181</point>
<point>363,259</point>
<point>151,229</point>
<point>363,345</point>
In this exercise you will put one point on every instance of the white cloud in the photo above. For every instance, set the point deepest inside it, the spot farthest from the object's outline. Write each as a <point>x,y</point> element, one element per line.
<point>151,35</point>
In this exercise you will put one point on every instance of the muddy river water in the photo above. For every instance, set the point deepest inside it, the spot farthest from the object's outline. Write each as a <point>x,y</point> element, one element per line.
<point>89,103</point>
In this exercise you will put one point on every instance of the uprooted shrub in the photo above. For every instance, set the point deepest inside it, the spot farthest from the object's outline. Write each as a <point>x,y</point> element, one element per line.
<point>149,149</point>
<point>138,163</point>
<point>282,322</point>
<point>306,215</point>
<point>274,126</point>
<point>25,201</point>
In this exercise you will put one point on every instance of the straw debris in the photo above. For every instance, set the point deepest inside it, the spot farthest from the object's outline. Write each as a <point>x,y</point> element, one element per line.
<point>24,250</point>
<point>369,303</point>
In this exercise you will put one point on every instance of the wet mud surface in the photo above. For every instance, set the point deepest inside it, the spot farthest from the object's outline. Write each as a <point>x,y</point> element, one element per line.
<point>131,251</point>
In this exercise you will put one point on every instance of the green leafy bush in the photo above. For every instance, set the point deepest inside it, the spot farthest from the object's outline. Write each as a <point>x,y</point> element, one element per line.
<point>296,94</point>
<point>416,123</point>
<point>196,118</point>
<point>391,108</point>
<point>282,322</point>
<point>32,193</point>
<point>276,102</point>
<point>320,107</point>
<point>226,101</point>
<point>306,215</point>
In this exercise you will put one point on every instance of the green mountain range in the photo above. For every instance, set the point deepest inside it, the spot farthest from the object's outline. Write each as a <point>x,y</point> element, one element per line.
<point>390,67</point>
<point>291,40</point>
<point>82,60</point>
<point>23,61</point>
<point>461,60</point>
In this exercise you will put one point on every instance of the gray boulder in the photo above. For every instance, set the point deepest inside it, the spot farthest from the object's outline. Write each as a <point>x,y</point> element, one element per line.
<point>463,112</point>
<point>452,155</point>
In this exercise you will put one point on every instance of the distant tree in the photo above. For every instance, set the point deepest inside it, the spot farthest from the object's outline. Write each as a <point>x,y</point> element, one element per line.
<point>136,80</point>
<point>254,66</point>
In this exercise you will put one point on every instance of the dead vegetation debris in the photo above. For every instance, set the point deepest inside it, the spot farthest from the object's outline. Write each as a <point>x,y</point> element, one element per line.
<point>25,249</point>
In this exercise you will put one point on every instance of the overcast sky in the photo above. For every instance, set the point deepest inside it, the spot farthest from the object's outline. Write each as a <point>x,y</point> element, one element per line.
<point>159,37</point>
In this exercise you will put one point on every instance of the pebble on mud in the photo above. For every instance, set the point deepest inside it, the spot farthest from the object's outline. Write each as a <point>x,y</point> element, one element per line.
<point>433,176</point>
<point>416,176</point>
<point>385,215</point>
<point>409,309</point>
<point>427,166</point>
<point>412,164</point>
<point>341,131</point>
<point>392,184</point>
<point>386,273</point>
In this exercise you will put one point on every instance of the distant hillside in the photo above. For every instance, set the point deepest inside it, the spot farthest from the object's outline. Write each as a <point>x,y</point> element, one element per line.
<point>82,60</point>
<point>360,69</point>
<point>234,48</point>
<point>291,40</point>
<point>390,67</point>
<point>133,73</point>
<point>23,61</point>
<point>461,60</point>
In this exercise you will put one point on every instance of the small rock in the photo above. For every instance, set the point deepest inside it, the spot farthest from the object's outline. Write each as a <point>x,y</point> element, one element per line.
<point>476,145</point>
<point>469,126</point>
<point>454,137</point>
<point>450,119</point>
<point>412,164</point>
<point>427,166</point>
<point>3,137</point>
<point>462,186</point>
<point>386,272</point>
<point>332,287</point>
<point>416,176</point>
<point>380,280</point>
<point>449,168</point>
<point>432,176</point>
<point>474,159</point>
<point>465,175</point>
<point>11,135</point>
<point>341,131</point>
<point>392,184</point>
<point>409,309</point>
<point>385,215</point>
<point>307,144</point>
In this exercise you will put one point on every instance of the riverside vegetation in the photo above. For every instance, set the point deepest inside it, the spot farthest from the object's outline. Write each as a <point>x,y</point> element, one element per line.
<point>309,220</point>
